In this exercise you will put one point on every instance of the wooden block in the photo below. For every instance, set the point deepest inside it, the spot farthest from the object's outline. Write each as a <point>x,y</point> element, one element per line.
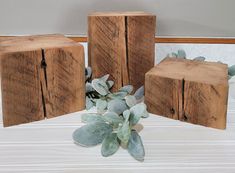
<point>191,91</point>
<point>41,77</point>
<point>122,45</point>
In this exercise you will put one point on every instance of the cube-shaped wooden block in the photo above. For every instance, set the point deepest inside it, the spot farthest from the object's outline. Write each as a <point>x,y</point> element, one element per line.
<point>187,90</point>
<point>41,77</point>
<point>122,45</point>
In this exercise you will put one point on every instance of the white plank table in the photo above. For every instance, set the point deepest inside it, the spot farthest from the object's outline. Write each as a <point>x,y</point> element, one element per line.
<point>171,146</point>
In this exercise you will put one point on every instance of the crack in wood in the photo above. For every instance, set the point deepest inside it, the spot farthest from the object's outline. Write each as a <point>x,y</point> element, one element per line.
<point>43,102</point>
<point>125,69</point>
<point>183,101</point>
<point>44,67</point>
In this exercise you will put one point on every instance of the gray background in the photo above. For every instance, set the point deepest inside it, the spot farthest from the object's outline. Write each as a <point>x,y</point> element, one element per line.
<point>195,18</point>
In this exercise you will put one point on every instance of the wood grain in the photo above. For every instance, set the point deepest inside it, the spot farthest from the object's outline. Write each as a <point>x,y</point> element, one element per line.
<point>122,45</point>
<point>190,91</point>
<point>45,81</point>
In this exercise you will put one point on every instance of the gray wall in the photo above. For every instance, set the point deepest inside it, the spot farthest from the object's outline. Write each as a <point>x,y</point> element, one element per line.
<point>197,18</point>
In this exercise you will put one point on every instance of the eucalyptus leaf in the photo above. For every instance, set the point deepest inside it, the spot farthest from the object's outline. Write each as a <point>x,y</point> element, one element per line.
<point>231,70</point>
<point>105,77</point>
<point>91,134</point>
<point>100,86</point>
<point>181,54</point>
<point>145,114</point>
<point>127,88</point>
<point>137,112</point>
<point>110,84</point>
<point>88,72</point>
<point>139,94</point>
<point>101,105</point>
<point>135,146</point>
<point>118,106</point>
<point>91,118</point>
<point>130,100</point>
<point>174,55</point>
<point>113,118</point>
<point>124,132</point>
<point>126,115</point>
<point>89,87</point>
<point>200,58</point>
<point>110,145</point>
<point>118,95</point>
<point>89,103</point>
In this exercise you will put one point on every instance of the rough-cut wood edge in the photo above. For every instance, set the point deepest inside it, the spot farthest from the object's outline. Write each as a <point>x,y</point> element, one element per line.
<point>182,91</point>
<point>201,40</point>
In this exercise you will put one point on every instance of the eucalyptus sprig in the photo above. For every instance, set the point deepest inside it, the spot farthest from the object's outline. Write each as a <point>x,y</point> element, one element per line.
<point>182,54</point>
<point>117,115</point>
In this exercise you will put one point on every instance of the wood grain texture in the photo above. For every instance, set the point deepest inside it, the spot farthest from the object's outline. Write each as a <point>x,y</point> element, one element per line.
<point>46,81</point>
<point>122,45</point>
<point>191,91</point>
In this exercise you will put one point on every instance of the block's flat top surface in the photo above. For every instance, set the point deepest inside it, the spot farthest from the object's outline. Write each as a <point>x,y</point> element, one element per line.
<point>198,71</point>
<point>133,13</point>
<point>27,43</point>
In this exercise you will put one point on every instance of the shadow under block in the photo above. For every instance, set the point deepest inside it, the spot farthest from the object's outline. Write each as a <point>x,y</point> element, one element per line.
<point>41,77</point>
<point>190,91</point>
<point>122,45</point>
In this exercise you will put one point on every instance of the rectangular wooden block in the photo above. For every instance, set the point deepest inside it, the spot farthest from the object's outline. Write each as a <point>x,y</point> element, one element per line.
<point>187,90</point>
<point>41,77</point>
<point>122,45</point>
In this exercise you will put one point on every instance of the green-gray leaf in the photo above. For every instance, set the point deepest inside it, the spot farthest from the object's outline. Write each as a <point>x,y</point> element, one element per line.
<point>127,88</point>
<point>137,112</point>
<point>174,55</point>
<point>181,54</point>
<point>110,83</point>
<point>113,118</point>
<point>124,132</point>
<point>89,87</point>
<point>126,115</point>
<point>118,106</point>
<point>101,105</point>
<point>135,146</point>
<point>118,95</point>
<point>88,72</point>
<point>200,58</point>
<point>110,145</point>
<point>231,70</point>
<point>130,100</point>
<point>91,134</point>
<point>91,118</point>
<point>139,94</point>
<point>89,103</point>
<point>105,77</point>
<point>100,86</point>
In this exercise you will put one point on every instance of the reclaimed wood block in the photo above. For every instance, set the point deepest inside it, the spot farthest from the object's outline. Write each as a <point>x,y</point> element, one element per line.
<point>190,91</point>
<point>122,45</point>
<point>41,77</point>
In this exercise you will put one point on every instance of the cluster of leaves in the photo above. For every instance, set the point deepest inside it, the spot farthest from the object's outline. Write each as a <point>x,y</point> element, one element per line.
<point>117,115</point>
<point>181,54</point>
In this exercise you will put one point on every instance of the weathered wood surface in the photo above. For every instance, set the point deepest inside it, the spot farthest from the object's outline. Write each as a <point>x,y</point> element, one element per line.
<point>122,45</point>
<point>191,91</point>
<point>41,77</point>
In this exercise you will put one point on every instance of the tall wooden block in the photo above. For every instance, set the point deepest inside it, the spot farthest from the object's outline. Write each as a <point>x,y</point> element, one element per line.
<point>41,77</point>
<point>122,45</point>
<point>191,91</point>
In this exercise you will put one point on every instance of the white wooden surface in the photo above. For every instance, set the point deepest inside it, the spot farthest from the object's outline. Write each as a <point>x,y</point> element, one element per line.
<point>171,146</point>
